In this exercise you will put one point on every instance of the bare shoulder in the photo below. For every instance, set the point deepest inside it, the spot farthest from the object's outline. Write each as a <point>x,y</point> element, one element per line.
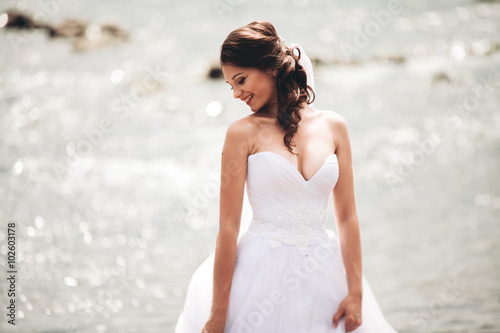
<point>250,125</point>
<point>239,134</point>
<point>332,118</point>
<point>336,123</point>
<point>241,126</point>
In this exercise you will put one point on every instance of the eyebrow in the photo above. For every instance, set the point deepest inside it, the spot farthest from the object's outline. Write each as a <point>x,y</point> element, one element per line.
<point>235,76</point>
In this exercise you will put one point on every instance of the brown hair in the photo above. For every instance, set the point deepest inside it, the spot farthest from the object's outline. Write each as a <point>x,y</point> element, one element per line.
<point>257,45</point>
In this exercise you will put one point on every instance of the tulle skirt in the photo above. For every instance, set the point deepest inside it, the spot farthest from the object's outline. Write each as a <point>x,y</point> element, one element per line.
<point>279,289</point>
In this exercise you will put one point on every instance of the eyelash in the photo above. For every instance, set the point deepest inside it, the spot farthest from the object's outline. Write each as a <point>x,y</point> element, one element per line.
<point>240,82</point>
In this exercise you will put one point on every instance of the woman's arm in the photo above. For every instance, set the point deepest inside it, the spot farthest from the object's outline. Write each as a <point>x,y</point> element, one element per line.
<point>346,218</point>
<point>233,175</point>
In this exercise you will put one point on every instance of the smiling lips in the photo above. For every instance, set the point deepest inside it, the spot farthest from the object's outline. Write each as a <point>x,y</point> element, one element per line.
<point>248,99</point>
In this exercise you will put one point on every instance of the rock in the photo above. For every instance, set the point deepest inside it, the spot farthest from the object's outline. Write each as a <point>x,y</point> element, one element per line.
<point>317,61</point>
<point>68,28</point>
<point>441,77</point>
<point>346,62</point>
<point>398,59</point>
<point>21,21</point>
<point>115,31</point>
<point>96,36</point>
<point>87,36</point>
<point>215,72</point>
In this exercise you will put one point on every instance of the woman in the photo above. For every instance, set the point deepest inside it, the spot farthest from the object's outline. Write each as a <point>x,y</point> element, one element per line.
<point>287,273</point>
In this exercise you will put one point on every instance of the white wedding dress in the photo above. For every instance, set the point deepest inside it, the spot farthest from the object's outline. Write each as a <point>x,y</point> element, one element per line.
<point>289,275</point>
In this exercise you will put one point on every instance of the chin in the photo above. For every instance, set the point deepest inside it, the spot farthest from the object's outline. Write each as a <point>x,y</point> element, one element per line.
<point>254,108</point>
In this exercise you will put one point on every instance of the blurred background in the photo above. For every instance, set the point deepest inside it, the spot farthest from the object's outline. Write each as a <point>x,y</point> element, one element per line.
<point>112,125</point>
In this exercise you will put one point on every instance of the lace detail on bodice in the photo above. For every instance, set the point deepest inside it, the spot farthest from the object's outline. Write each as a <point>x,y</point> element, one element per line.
<point>300,227</point>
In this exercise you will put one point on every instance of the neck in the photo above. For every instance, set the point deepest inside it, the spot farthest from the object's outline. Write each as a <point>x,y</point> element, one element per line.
<point>269,110</point>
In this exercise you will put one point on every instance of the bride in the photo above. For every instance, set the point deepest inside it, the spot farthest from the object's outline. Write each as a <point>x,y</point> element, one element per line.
<point>287,273</point>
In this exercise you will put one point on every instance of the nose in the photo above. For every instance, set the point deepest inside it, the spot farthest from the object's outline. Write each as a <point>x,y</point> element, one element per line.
<point>236,93</point>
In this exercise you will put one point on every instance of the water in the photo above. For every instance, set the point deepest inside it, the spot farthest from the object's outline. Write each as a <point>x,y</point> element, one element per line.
<point>110,158</point>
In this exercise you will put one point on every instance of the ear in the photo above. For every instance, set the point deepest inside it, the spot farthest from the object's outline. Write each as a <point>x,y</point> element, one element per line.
<point>273,72</point>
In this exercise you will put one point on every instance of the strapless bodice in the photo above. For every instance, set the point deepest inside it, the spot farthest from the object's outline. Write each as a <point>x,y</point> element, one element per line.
<point>286,208</point>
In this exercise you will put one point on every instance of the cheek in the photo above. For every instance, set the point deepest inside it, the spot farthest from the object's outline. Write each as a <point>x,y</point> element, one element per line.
<point>265,87</point>
<point>268,88</point>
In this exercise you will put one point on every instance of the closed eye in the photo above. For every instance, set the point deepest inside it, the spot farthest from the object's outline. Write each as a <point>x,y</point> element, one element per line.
<point>239,82</point>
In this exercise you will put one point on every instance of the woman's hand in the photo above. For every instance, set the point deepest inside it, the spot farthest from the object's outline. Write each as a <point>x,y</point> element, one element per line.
<point>215,324</point>
<point>350,308</point>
